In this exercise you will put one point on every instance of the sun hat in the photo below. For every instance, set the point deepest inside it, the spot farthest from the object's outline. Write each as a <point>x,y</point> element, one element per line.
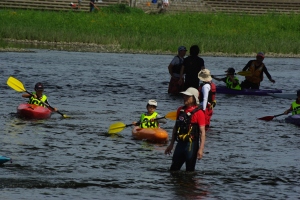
<point>230,71</point>
<point>182,48</point>
<point>39,86</point>
<point>260,54</point>
<point>192,92</point>
<point>204,75</point>
<point>152,102</point>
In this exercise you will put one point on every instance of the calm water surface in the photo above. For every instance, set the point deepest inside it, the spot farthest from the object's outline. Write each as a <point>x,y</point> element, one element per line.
<point>245,158</point>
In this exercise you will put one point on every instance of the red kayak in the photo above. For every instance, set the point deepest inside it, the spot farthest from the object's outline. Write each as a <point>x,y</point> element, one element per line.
<point>32,111</point>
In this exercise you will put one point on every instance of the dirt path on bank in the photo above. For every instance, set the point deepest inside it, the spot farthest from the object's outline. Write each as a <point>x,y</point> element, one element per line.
<point>90,47</point>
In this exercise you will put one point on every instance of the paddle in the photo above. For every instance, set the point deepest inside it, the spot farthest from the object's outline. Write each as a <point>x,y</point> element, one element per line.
<point>269,118</point>
<point>19,87</point>
<point>120,126</point>
<point>242,73</point>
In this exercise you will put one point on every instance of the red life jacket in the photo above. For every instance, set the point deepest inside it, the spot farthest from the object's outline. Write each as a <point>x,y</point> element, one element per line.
<point>211,94</point>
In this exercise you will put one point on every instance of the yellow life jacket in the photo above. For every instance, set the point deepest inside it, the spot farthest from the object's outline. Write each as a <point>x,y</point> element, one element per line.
<point>35,101</point>
<point>257,74</point>
<point>229,84</point>
<point>296,108</point>
<point>146,123</point>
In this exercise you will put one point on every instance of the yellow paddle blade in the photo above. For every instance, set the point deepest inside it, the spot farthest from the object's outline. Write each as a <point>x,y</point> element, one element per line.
<point>244,73</point>
<point>15,84</point>
<point>171,115</point>
<point>116,127</point>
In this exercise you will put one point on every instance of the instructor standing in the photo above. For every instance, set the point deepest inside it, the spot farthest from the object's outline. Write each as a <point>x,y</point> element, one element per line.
<point>189,131</point>
<point>257,68</point>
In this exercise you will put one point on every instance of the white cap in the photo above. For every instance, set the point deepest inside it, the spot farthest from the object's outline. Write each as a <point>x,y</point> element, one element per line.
<point>192,92</point>
<point>152,102</point>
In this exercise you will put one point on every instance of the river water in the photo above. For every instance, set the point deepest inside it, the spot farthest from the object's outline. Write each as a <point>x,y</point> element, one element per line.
<point>75,158</point>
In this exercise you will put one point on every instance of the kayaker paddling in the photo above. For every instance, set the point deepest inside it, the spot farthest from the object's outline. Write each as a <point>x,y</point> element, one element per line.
<point>37,97</point>
<point>148,119</point>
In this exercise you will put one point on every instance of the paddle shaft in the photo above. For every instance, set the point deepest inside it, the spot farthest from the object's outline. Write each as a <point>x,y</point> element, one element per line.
<point>241,73</point>
<point>278,115</point>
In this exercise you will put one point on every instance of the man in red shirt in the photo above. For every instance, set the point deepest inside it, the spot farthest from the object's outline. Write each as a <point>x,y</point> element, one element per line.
<point>189,131</point>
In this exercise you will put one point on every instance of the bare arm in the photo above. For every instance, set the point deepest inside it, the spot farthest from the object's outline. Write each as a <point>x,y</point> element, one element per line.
<point>218,79</point>
<point>26,95</point>
<point>170,147</point>
<point>202,142</point>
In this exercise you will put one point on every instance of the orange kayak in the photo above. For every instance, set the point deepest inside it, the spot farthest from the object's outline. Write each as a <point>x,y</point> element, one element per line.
<point>150,134</point>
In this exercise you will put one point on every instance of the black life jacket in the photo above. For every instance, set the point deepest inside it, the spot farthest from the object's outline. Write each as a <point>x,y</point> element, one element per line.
<point>177,67</point>
<point>187,131</point>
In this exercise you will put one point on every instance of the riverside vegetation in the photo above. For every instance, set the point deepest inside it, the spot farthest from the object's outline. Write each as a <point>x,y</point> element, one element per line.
<point>120,28</point>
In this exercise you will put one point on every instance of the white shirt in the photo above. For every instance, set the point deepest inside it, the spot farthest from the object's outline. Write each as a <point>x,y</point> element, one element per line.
<point>205,91</point>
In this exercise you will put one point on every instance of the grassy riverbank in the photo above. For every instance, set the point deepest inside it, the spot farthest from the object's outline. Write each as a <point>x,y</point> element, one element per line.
<point>134,31</point>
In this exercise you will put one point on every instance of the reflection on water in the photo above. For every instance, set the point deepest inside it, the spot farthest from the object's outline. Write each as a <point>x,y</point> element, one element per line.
<point>244,157</point>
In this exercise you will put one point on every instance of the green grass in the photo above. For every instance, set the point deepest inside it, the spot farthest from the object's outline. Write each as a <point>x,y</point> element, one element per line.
<point>133,29</point>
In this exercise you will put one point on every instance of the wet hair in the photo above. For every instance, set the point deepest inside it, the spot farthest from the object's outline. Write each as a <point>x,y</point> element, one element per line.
<point>194,50</point>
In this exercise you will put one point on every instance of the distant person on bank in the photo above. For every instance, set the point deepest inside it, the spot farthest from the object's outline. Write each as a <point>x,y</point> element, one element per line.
<point>257,68</point>
<point>92,5</point>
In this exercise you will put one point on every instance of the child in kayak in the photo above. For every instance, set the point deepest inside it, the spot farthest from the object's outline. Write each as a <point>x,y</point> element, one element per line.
<point>38,97</point>
<point>231,80</point>
<point>148,120</point>
<point>295,107</point>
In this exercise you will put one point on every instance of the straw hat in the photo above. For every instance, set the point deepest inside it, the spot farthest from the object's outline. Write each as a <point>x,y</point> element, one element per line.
<point>204,75</point>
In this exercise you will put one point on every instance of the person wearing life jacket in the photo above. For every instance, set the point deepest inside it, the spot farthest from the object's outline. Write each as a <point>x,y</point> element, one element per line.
<point>148,119</point>
<point>189,132</point>
<point>232,82</point>
<point>207,95</point>
<point>174,69</point>
<point>257,68</point>
<point>295,107</point>
<point>37,97</point>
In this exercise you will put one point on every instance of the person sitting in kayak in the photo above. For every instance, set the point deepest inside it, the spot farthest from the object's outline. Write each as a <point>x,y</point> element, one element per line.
<point>295,107</point>
<point>148,120</point>
<point>257,68</point>
<point>231,80</point>
<point>37,97</point>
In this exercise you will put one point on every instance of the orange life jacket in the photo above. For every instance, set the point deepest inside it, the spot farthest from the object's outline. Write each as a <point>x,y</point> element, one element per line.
<point>257,74</point>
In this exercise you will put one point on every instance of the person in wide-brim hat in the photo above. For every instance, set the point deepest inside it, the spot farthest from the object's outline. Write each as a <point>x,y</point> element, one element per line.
<point>207,92</point>
<point>204,75</point>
